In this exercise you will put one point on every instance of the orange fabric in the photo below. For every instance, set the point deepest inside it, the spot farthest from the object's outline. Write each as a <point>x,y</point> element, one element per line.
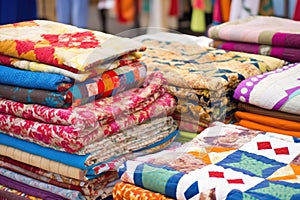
<point>203,156</point>
<point>126,191</point>
<point>281,178</point>
<point>269,121</point>
<point>261,127</point>
<point>225,8</point>
<point>125,10</point>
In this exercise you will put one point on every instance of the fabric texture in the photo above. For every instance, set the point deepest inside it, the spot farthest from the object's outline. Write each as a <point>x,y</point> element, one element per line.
<point>91,188</point>
<point>271,113</point>
<point>109,83</point>
<point>61,45</point>
<point>75,166</point>
<point>202,79</point>
<point>126,191</point>
<point>9,193</point>
<point>71,140</point>
<point>259,90</point>
<point>271,124</point>
<point>37,188</point>
<point>106,149</point>
<point>87,116</point>
<point>266,30</point>
<point>223,162</point>
<point>285,53</point>
<point>78,76</point>
<point>38,80</point>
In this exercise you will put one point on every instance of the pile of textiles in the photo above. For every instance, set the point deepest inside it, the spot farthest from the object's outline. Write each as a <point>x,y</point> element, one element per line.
<point>201,78</point>
<point>265,35</point>
<point>270,101</point>
<point>75,104</point>
<point>225,161</point>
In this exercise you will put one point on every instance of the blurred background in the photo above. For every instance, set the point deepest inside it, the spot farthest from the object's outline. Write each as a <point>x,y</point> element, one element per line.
<point>116,16</point>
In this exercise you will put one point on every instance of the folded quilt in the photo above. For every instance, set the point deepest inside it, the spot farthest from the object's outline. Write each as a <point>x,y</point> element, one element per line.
<point>126,191</point>
<point>87,173</point>
<point>71,73</point>
<point>107,149</point>
<point>271,113</point>
<point>88,115</point>
<point>70,139</point>
<point>269,121</point>
<point>35,187</point>
<point>109,83</point>
<point>204,68</point>
<point>196,112</point>
<point>61,45</point>
<point>266,123</point>
<point>34,80</point>
<point>276,90</point>
<point>204,96</point>
<point>221,161</point>
<point>284,53</point>
<point>89,189</point>
<point>267,30</point>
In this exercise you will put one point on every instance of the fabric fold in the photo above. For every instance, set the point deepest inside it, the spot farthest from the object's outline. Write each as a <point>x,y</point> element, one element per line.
<point>259,90</point>
<point>268,30</point>
<point>109,83</point>
<point>88,115</point>
<point>61,45</point>
<point>285,53</point>
<point>266,123</point>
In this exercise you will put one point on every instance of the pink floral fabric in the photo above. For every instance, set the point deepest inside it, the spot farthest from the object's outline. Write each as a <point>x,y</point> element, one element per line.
<point>88,115</point>
<point>70,139</point>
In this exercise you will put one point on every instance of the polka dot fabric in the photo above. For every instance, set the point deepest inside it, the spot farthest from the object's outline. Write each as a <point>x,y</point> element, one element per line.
<point>244,90</point>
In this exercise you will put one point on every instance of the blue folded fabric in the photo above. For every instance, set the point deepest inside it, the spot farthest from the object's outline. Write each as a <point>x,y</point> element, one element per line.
<point>64,157</point>
<point>29,79</point>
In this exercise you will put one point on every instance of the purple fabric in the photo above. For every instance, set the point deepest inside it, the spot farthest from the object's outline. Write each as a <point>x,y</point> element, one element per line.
<point>284,53</point>
<point>10,196</point>
<point>286,39</point>
<point>28,189</point>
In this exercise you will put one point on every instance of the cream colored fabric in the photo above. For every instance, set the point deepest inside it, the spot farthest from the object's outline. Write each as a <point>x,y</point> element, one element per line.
<point>42,163</point>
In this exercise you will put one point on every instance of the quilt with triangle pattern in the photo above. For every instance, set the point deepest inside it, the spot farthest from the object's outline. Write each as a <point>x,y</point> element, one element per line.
<point>225,161</point>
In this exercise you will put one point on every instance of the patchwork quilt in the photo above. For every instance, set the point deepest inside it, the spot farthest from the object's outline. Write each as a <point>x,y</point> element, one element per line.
<point>275,90</point>
<point>223,162</point>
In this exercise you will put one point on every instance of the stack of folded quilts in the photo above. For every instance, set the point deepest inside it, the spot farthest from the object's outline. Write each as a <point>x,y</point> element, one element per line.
<point>265,35</point>
<point>75,104</point>
<point>225,161</point>
<point>270,102</point>
<point>202,79</point>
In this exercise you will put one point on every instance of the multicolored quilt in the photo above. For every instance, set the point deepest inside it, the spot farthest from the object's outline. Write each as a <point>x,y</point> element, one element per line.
<point>202,79</point>
<point>223,162</point>
<point>35,187</point>
<point>275,90</point>
<point>70,130</point>
<point>267,30</point>
<point>87,116</point>
<point>63,46</point>
<point>107,84</point>
<point>89,188</point>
